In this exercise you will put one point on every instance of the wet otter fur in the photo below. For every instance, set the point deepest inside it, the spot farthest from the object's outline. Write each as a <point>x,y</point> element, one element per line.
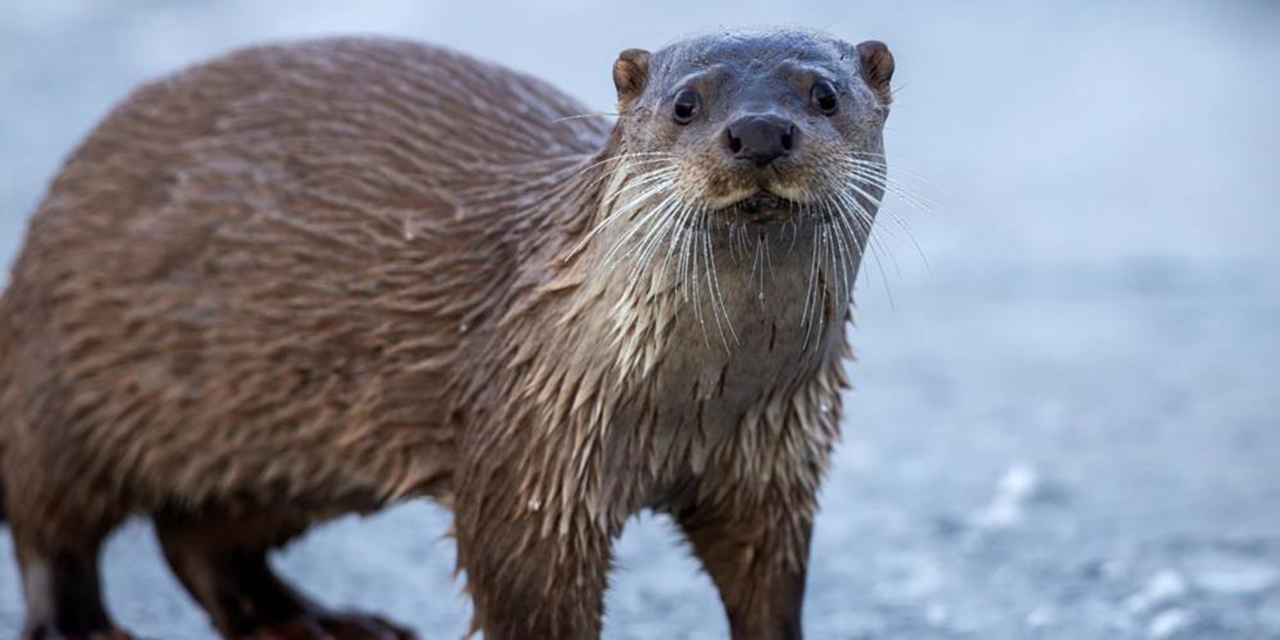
<point>310,279</point>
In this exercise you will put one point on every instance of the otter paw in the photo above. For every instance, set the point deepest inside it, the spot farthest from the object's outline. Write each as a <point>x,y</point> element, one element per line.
<point>49,633</point>
<point>333,626</point>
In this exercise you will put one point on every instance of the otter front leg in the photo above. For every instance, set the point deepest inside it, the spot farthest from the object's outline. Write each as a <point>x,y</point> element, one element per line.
<point>757,555</point>
<point>535,571</point>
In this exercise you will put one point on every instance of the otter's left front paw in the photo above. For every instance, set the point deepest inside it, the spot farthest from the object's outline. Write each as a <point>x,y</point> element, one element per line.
<point>333,626</point>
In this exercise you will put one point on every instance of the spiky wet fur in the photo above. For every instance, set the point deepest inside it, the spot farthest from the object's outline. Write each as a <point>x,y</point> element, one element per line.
<point>326,277</point>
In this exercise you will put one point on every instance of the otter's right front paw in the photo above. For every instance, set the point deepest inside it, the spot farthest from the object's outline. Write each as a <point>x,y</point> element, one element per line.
<point>327,626</point>
<point>47,632</point>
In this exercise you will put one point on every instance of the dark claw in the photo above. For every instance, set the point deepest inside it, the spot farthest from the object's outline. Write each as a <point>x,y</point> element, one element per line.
<point>48,633</point>
<point>329,626</point>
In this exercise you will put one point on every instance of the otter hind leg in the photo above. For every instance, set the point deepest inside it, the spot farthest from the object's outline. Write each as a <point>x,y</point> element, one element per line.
<point>223,564</point>
<point>58,529</point>
<point>64,601</point>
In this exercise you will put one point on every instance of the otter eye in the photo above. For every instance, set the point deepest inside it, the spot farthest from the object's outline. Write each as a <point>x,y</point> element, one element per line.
<point>686,106</point>
<point>824,97</point>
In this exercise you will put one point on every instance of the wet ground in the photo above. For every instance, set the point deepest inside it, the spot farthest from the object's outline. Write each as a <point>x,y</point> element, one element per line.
<point>1066,426</point>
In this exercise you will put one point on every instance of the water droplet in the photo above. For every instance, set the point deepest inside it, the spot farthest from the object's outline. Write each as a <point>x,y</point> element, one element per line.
<point>760,296</point>
<point>535,503</point>
<point>825,408</point>
<point>462,328</point>
<point>408,235</point>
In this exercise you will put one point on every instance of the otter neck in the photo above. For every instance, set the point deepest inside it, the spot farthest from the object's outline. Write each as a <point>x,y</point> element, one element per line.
<point>713,311</point>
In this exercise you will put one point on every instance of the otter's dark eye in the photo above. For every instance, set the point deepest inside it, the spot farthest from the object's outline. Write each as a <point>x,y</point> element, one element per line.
<point>825,98</point>
<point>687,105</point>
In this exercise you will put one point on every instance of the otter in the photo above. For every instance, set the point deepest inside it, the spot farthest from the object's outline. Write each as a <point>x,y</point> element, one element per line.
<point>317,278</point>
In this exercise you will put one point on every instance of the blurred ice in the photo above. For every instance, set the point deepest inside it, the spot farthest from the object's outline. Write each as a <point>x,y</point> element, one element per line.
<point>1169,623</point>
<point>1232,574</point>
<point>1015,489</point>
<point>1164,586</point>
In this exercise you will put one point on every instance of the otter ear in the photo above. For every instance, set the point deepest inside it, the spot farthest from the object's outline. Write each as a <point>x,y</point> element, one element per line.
<point>630,73</point>
<point>876,64</point>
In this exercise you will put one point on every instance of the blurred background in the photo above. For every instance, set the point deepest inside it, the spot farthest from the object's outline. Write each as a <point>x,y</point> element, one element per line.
<point>1066,422</point>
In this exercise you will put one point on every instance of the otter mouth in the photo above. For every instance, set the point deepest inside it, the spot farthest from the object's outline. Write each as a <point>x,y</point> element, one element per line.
<point>761,206</point>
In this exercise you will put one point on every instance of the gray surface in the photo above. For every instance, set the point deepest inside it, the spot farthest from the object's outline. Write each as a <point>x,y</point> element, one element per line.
<point>1066,428</point>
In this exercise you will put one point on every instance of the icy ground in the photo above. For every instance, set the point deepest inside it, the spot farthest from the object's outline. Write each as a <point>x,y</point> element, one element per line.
<point>1067,427</point>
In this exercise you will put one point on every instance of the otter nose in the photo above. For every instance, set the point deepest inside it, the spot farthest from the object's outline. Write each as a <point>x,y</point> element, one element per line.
<point>760,139</point>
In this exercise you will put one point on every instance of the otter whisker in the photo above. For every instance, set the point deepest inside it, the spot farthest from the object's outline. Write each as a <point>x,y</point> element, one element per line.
<point>636,189</point>
<point>854,225</point>
<point>624,161</point>
<point>682,260</point>
<point>848,250</point>
<point>627,182</point>
<point>737,240</point>
<point>888,188</point>
<point>620,173</point>
<point>586,115</point>
<point>879,173</point>
<point>822,284</point>
<point>824,223</point>
<point>657,182</point>
<point>678,224</point>
<point>879,159</point>
<point>678,248</point>
<point>892,214</point>
<point>826,273</point>
<point>625,165</point>
<point>875,245</point>
<point>652,225</point>
<point>639,226</point>
<point>878,202</point>
<point>810,293</point>
<point>704,247</point>
<point>644,223</point>
<point>692,243</point>
<point>768,256</point>
<point>864,219</point>
<point>713,287</point>
<point>691,232</point>
<point>883,278</point>
<point>837,286</point>
<point>758,263</point>
<point>860,217</point>
<point>693,283</point>
<point>653,219</point>
<point>845,263</point>
<point>659,229</point>
<point>670,223</point>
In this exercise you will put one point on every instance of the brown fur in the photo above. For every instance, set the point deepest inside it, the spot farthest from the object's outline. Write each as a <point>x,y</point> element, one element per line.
<point>304,280</point>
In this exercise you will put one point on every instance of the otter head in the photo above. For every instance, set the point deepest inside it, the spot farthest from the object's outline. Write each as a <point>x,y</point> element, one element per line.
<point>755,127</point>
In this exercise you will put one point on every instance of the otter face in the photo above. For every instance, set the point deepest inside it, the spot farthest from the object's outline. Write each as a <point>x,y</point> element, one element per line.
<point>758,126</point>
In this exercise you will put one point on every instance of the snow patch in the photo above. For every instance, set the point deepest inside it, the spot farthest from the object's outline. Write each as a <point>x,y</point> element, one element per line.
<point>1232,575</point>
<point>1166,585</point>
<point>1040,617</point>
<point>1015,489</point>
<point>1169,623</point>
